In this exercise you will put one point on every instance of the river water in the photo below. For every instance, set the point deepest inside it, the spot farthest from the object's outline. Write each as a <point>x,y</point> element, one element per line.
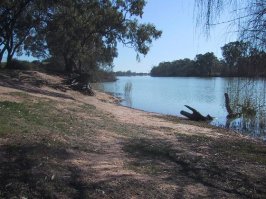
<point>168,95</point>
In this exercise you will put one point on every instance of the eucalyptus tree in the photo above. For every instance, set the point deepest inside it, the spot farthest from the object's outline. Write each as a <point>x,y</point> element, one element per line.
<point>233,52</point>
<point>19,21</point>
<point>84,34</point>
<point>12,34</point>
<point>243,59</point>
<point>206,63</point>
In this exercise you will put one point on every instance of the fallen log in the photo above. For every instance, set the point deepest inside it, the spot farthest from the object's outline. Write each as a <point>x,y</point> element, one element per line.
<point>195,115</point>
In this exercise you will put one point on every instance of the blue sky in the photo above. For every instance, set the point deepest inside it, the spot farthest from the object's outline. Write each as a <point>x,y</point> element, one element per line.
<point>180,39</point>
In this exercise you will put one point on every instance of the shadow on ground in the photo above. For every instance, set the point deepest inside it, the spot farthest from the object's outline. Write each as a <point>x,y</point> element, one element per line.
<point>159,169</point>
<point>33,87</point>
<point>191,172</point>
<point>38,170</point>
<point>35,171</point>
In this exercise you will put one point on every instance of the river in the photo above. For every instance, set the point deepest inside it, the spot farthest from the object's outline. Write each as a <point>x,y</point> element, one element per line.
<point>168,95</point>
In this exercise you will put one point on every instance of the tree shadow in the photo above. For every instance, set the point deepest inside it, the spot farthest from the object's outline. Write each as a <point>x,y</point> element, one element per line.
<point>36,171</point>
<point>157,157</point>
<point>33,87</point>
<point>43,170</point>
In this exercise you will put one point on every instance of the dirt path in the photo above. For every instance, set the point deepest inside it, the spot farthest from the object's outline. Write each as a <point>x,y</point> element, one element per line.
<point>56,144</point>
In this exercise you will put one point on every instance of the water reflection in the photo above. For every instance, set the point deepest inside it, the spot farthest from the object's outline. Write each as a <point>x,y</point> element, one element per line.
<point>128,94</point>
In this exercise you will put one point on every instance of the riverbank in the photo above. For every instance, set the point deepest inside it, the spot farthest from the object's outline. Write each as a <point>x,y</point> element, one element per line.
<point>59,143</point>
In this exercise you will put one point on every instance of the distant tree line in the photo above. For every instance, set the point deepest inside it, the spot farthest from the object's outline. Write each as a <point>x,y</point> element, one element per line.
<point>75,35</point>
<point>239,59</point>
<point>129,73</point>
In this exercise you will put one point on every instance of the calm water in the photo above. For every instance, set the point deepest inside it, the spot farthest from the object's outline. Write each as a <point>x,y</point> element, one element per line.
<point>168,95</point>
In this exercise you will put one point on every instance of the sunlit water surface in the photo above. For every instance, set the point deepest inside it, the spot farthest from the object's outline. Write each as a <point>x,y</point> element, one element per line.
<point>168,95</point>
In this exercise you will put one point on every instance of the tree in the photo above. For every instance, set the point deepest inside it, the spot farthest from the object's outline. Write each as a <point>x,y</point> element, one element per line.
<point>84,34</point>
<point>206,63</point>
<point>244,60</point>
<point>248,16</point>
<point>81,34</point>
<point>19,21</point>
<point>11,35</point>
<point>256,62</point>
<point>233,53</point>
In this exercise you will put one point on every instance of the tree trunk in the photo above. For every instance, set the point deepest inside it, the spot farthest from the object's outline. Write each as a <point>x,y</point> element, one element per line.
<point>9,59</point>
<point>230,112</point>
<point>1,57</point>
<point>68,67</point>
<point>68,64</point>
<point>80,66</point>
<point>2,54</point>
<point>227,104</point>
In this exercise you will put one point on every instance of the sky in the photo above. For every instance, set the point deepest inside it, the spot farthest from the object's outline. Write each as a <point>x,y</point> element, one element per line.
<point>181,38</point>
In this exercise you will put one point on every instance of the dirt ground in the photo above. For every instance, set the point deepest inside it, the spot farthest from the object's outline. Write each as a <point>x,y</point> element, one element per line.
<point>59,143</point>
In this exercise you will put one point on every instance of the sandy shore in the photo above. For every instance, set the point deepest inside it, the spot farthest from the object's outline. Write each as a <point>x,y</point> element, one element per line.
<point>63,144</point>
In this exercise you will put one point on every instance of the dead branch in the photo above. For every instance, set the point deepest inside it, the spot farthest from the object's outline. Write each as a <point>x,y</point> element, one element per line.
<point>195,115</point>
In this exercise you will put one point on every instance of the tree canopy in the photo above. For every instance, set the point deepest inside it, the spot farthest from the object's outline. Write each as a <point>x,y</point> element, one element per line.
<point>81,35</point>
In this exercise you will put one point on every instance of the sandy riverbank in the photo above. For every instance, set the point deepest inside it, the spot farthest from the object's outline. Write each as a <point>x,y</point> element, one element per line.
<point>63,144</point>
